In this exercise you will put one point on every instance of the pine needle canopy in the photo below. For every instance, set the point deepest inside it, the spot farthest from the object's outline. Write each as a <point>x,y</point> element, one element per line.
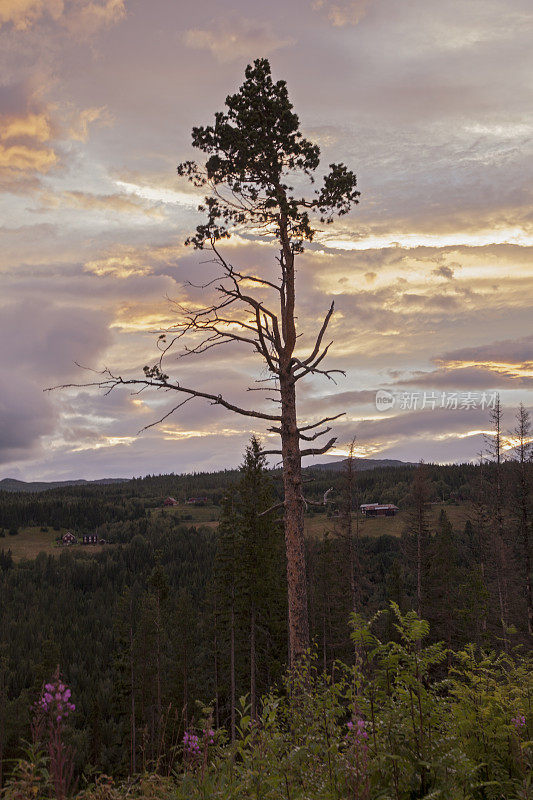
<point>256,152</point>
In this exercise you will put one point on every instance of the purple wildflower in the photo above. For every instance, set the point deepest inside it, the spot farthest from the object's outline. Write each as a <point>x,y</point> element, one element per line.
<point>55,700</point>
<point>519,721</point>
<point>357,730</point>
<point>191,744</point>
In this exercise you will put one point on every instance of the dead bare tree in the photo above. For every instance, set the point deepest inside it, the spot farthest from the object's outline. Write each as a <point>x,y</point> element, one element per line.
<point>255,151</point>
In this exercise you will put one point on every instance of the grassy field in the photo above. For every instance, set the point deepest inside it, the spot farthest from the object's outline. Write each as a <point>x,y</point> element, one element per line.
<point>29,542</point>
<point>199,515</point>
<point>317,524</point>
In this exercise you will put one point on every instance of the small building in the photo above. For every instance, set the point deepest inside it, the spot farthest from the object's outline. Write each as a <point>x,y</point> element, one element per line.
<point>68,538</point>
<point>90,538</point>
<point>379,509</point>
<point>197,501</point>
<point>170,501</point>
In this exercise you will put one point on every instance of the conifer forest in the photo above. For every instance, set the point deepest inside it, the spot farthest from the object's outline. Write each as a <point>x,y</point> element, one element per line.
<point>171,640</point>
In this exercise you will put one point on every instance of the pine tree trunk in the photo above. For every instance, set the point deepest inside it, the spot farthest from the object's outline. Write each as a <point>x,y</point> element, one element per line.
<point>292,459</point>
<point>294,522</point>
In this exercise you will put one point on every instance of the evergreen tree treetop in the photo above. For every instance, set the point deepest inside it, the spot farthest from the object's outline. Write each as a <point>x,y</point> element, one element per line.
<point>255,151</point>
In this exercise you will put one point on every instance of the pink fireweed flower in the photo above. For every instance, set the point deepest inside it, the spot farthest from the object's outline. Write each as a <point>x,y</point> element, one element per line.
<point>519,721</point>
<point>191,744</point>
<point>209,735</point>
<point>55,700</point>
<point>357,730</point>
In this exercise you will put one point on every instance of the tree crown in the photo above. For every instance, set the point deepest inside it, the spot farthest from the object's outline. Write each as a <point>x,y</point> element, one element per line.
<point>255,151</point>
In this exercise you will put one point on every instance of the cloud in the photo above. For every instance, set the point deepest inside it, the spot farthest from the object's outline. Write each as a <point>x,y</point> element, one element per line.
<point>509,351</point>
<point>342,12</point>
<point>78,16</point>
<point>31,126</point>
<point>22,14</point>
<point>467,378</point>
<point>26,148</point>
<point>36,140</point>
<point>25,416</point>
<point>79,128</point>
<point>120,266</point>
<point>443,272</point>
<point>235,39</point>
<point>108,203</point>
<point>44,342</point>
<point>21,158</point>
<point>86,18</point>
<point>428,103</point>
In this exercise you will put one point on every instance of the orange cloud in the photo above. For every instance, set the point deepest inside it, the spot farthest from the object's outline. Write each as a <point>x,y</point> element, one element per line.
<point>87,18</point>
<point>117,266</point>
<point>342,12</point>
<point>24,150</point>
<point>22,158</point>
<point>238,38</point>
<point>22,14</point>
<point>32,126</point>
<point>27,150</point>
<point>78,16</point>
<point>118,203</point>
<point>79,128</point>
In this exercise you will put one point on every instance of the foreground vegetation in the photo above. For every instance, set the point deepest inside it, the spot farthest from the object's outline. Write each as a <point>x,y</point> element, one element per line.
<point>160,633</point>
<point>407,720</point>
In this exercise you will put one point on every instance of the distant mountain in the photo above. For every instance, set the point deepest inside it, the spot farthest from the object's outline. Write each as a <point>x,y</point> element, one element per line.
<point>13,485</point>
<point>361,463</point>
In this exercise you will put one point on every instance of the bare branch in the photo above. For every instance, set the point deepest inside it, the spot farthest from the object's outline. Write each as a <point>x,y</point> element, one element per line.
<point>165,416</point>
<point>317,451</point>
<point>320,422</point>
<point>314,435</point>
<point>320,336</point>
<point>272,508</point>
<point>110,383</point>
<point>317,502</point>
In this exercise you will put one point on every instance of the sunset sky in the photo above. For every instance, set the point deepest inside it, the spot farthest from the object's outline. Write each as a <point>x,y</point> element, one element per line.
<point>428,101</point>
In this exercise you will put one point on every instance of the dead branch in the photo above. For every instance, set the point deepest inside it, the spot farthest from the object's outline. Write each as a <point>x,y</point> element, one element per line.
<point>113,381</point>
<point>320,336</point>
<point>314,435</point>
<point>320,422</point>
<point>317,502</point>
<point>272,508</point>
<point>318,451</point>
<point>165,416</point>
